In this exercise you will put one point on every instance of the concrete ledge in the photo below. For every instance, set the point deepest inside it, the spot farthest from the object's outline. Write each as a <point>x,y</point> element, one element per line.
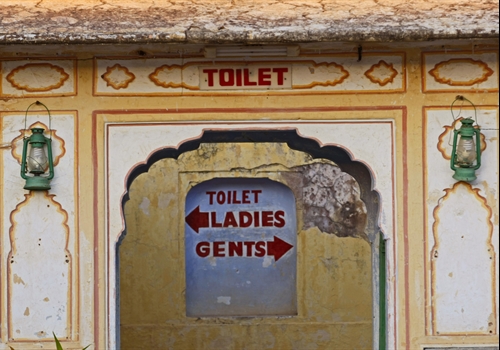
<point>245,22</point>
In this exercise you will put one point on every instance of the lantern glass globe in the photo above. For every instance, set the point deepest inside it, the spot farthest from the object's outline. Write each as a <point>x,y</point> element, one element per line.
<point>466,152</point>
<point>37,161</point>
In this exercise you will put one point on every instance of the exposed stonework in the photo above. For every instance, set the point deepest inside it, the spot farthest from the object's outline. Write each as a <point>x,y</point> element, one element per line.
<point>330,199</point>
<point>238,21</point>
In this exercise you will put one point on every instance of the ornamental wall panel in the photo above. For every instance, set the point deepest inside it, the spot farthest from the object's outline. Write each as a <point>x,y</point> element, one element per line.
<point>460,71</point>
<point>39,247</point>
<point>461,240</point>
<point>37,77</point>
<point>340,73</point>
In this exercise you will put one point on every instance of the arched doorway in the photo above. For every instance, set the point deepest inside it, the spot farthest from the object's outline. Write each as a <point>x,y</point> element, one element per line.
<point>341,240</point>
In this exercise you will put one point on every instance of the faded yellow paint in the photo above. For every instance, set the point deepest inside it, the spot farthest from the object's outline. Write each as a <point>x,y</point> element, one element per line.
<point>334,275</point>
<point>145,324</point>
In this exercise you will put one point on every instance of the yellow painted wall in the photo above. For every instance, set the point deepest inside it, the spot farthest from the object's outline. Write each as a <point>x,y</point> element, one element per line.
<point>161,281</point>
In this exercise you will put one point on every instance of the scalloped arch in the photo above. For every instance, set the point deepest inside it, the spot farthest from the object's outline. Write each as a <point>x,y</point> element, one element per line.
<point>338,155</point>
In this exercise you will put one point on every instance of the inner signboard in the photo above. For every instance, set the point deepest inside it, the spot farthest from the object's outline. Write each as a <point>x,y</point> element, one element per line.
<point>241,248</point>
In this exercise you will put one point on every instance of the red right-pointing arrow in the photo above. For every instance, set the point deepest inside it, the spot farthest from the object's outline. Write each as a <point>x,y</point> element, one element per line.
<point>197,219</point>
<point>278,247</point>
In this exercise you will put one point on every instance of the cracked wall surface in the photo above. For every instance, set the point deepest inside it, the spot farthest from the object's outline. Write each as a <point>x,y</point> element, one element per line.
<point>237,21</point>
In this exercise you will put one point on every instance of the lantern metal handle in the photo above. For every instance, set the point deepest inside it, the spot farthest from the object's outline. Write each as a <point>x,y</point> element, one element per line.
<point>38,103</point>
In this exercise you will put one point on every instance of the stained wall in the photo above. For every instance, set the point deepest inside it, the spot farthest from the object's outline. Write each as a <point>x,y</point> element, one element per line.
<point>113,109</point>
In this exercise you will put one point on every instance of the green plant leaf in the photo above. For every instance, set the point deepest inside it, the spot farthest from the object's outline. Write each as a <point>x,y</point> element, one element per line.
<point>58,345</point>
<point>86,347</point>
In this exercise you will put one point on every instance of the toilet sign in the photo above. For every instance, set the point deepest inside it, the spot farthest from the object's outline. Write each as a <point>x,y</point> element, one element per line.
<point>241,255</point>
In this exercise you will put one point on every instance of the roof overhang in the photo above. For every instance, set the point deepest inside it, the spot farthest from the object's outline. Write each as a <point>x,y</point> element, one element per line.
<point>244,22</point>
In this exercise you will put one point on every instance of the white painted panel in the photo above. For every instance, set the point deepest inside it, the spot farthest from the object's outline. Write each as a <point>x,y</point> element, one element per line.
<point>451,292</point>
<point>463,301</point>
<point>46,223</point>
<point>39,270</point>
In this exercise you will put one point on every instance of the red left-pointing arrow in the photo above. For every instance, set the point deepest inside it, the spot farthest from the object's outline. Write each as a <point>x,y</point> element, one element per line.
<point>197,219</point>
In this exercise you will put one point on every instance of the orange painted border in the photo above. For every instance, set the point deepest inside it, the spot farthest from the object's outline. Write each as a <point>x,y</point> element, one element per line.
<point>96,162</point>
<point>405,239</point>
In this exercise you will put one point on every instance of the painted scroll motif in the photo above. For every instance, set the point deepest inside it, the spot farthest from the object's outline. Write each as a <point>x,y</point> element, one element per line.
<point>118,77</point>
<point>381,73</point>
<point>25,77</point>
<point>451,72</point>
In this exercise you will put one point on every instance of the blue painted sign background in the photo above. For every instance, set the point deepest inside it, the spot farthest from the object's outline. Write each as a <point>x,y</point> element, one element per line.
<point>241,248</point>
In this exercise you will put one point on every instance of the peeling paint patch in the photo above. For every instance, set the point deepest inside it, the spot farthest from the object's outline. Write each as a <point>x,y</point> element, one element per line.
<point>18,280</point>
<point>267,261</point>
<point>164,200</point>
<point>144,206</point>
<point>41,334</point>
<point>322,336</point>
<point>224,300</point>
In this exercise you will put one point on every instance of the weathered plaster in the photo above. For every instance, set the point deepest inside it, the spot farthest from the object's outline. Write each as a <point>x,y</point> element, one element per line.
<point>236,21</point>
<point>334,274</point>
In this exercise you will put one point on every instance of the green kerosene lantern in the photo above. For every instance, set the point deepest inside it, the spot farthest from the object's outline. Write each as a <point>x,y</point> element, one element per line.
<point>466,154</point>
<point>37,158</point>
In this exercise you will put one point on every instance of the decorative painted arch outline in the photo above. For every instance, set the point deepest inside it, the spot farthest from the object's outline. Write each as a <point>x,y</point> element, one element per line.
<point>69,258</point>
<point>435,249</point>
<point>446,136</point>
<point>22,133</point>
<point>339,155</point>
